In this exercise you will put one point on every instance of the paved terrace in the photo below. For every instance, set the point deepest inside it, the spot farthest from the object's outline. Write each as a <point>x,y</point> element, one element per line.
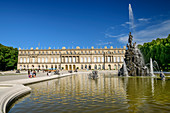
<point>12,86</point>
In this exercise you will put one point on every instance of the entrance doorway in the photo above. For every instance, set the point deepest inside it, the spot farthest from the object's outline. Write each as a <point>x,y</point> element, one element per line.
<point>89,67</point>
<point>109,67</point>
<point>70,67</point>
<point>66,67</point>
<point>74,67</point>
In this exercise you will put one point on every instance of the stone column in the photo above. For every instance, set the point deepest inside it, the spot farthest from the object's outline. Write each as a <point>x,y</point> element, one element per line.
<point>106,59</point>
<point>78,59</point>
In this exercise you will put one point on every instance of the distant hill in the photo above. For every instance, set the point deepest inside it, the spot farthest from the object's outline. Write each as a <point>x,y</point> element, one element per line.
<point>8,58</point>
<point>158,50</point>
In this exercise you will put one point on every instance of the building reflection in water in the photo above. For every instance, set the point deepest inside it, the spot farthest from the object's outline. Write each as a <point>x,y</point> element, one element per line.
<point>78,93</point>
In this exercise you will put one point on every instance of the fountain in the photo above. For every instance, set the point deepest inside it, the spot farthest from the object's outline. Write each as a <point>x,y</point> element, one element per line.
<point>133,61</point>
<point>125,72</point>
<point>131,18</point>
<point>151,67</point>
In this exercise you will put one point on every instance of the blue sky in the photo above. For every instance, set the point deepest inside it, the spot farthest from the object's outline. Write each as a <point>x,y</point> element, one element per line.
<point>84,23</point>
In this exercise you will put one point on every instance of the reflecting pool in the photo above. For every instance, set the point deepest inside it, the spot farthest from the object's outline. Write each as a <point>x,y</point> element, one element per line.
<point>109,93</point>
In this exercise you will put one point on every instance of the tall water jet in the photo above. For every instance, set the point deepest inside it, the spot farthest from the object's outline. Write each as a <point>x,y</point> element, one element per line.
<point>131,18</point>
<point>151,67</point>
<point>125,69</point>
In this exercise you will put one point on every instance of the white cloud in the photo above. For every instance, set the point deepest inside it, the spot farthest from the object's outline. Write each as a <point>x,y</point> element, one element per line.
<point>126,23</point>
<point>113,36</point>
<point>160,30</point>
<point>143,19</point>
<point>104,43</point>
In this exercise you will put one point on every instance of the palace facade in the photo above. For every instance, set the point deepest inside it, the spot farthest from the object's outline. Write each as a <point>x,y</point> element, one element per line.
<point>71,59</point>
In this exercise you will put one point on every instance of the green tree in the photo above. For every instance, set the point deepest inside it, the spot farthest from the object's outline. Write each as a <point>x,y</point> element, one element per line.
<point>158,50</point>
<point>8,58</point>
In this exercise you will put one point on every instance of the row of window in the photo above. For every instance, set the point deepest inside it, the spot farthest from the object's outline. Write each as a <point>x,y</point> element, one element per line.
<point>73,52</point>
<point>73,59</point>
<point>67,66</point>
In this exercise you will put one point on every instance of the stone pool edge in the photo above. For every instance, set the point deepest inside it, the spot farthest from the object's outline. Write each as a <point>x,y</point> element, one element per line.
<point>16,88</point>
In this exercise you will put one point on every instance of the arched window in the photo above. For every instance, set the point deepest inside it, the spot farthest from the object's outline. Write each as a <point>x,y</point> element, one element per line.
<point>55,60</point>
<point>98,59</point>
<point>85,59</point>
<point>42,66</point>
<point>28,60</point>
<point>81,59</point>
<point>115,67</point>
<point>102,59</point>
<point>51,60</point>
<point>46,60</point>
<point>108,59</point>
<point>121,59</point>
<point>20,60</point>
<point>103,66</point>
<point>95,67</point>
<point>118,59</point>
<point>70,59</point>
<point>94,59</point>
<point>85,66</point>
<point>74,59</point>
<point>38,60</point>
<point>42,60</point>
<point>66,59</point>
<point>89,59</point>
<point>114,59</point>
<point>99,67</point>
<point>89,67</point>
<point>24,60</point>
<point>33,60</point>
<point>59,60</point>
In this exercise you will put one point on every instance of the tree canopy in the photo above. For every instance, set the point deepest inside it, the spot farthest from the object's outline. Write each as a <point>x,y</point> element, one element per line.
<point>158,50</point>
<point>8,58</point>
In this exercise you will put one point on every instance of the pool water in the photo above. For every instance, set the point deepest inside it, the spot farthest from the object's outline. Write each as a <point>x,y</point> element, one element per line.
<point>108,94</point>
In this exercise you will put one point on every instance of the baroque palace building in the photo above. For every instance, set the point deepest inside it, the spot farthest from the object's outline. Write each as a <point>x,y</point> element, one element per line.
<point>71,59</point>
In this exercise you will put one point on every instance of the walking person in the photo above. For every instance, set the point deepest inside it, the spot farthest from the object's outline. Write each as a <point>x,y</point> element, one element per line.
<point>29,75</point>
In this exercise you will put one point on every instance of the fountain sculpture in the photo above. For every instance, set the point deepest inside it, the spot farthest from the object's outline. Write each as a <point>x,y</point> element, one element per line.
<point>133,61</point>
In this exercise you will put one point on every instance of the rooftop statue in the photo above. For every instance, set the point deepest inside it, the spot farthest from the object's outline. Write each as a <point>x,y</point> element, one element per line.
<point>130,39</point>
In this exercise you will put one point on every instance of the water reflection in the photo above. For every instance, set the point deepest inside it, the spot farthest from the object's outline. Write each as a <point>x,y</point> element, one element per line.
<point>109,93</point>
